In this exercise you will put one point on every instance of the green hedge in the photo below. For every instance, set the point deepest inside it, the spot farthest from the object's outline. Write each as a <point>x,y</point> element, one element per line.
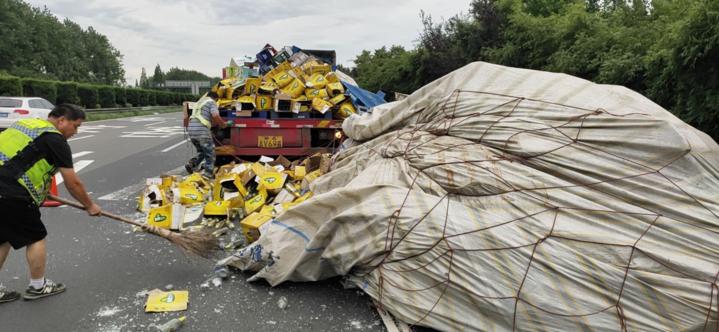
<point>88,95</point>
<point>39,88</point>
<point>10,86</point>
<point>133,96</point>
<point>67,93</point>
<point>120,96</point>
<point>106,96</point>
<point>151,98</point>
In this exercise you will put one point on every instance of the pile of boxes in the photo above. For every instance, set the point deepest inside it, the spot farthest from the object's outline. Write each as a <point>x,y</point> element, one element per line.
<point>290,81</point>
<point>237,203</point>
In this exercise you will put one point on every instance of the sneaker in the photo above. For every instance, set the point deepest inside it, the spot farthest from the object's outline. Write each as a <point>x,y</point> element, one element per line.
<point>189,169</point>
<point>8,295</point>
<point>50,288</point>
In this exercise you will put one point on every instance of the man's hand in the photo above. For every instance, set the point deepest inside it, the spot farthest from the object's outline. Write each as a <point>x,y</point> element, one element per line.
<point>93,210</point>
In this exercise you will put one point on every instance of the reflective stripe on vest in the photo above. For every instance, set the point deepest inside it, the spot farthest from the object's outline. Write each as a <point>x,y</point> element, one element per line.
<point>36,179</point>
<point>197,111</point>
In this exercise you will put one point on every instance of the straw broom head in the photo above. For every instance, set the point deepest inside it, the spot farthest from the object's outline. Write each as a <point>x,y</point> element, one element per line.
<point>199,243</point>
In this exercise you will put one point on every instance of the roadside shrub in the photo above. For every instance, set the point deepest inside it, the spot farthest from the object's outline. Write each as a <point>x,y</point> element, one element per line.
<point>120,96</point>
<point>88,95</point>
<point>39,88</point>
<point>67,93</point>
<point>106,96</point>
<point>10,86</point>
<point>133,96</point>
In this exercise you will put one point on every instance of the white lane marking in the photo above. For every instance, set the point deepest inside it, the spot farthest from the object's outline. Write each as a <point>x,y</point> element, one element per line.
<point>125,193</point>
<point>96,129</point>
<point>79,138</point>
<point>131,191</point>
<point>157,132</point>
<point>174,146</point>
<point>80,154</point>
<point>156,123</point>
<point>78,166</point>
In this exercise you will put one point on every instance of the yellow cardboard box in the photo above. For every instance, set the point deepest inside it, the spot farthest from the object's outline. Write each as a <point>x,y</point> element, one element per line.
<point>159,301</point>
<point>282,79</point>
<point>346,109</point>
<point>294,89</point>
<point>252,85</point>
<point>335,89</point>
<point>316,93</point>
<point>168,216</point>
<point>321,105</point>
<point>256,202</point>
<point>252,225</point>
<point>316,81</point>
<point>264,102</point>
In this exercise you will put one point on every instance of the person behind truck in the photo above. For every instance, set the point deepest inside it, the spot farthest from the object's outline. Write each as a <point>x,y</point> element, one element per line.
<point>204,114</point>
<point>31,152</point>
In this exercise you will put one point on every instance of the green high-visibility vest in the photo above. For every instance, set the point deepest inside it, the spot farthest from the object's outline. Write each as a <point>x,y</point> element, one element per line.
<point>38,177</point>
<point>197,111</point>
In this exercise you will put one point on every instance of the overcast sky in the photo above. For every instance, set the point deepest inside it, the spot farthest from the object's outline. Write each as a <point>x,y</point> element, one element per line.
<point>204,35</point>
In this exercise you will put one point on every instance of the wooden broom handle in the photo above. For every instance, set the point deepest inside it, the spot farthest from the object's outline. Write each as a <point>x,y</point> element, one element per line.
<point>106,214</point>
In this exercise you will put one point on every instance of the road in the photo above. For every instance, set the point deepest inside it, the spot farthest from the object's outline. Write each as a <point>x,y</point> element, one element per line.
<point>105,265</point>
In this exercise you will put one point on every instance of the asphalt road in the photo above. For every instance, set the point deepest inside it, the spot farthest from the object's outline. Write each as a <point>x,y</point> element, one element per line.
<point>106,266</point>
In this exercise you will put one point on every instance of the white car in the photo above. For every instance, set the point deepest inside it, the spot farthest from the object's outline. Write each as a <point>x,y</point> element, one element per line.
<point>16,108</point>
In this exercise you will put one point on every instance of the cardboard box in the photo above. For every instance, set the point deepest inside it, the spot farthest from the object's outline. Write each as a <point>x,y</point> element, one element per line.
<point>346,109</point>
<point>316,93</point>
<point>283,103</point>
<point>301,105</point>
<point>316,81</point>
<point>282,79</point>
<point>268,88</point>
<point>335,89</point>
<point>159,301</point>
<point>169,216</point>
<point>252,85</point>
<point>321,105</point>
<point>272,181</point>
<point>313,163</point>
<point>252,225</point>
<point>246,103</point>
<point>338,99</point>
<point>284,197</point>
<point>263,102</point>
<point>256,202</point>
<point>309,178</point>
<point>294,89</point>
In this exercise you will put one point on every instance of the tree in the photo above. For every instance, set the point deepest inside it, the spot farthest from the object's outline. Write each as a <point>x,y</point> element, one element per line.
<point>158,78</point>
<point>35,44</point>
<point>144,82</point>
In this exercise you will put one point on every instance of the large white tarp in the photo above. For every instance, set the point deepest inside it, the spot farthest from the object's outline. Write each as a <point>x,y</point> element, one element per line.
<point>498,198</point>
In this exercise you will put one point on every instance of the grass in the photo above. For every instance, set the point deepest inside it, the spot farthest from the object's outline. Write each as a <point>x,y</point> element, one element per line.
<point>96,116</point>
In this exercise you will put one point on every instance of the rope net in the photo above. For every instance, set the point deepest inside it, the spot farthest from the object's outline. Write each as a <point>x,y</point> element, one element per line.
<point>492,211</point>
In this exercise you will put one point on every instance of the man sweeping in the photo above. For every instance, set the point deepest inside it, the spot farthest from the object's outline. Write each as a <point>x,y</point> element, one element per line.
<point>31,152</point>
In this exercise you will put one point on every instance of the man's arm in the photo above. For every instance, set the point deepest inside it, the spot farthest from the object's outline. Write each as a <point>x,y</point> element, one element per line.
<point>77,190</point>
<point>218,121</point>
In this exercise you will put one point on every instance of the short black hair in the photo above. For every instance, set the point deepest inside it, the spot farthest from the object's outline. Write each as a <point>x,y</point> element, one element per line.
<point>69,111</point>
<point>213,94</point>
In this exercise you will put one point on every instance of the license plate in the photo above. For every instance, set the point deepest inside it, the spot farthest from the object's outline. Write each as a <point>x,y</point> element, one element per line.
<point>269,142</point>
<point>3,115</point>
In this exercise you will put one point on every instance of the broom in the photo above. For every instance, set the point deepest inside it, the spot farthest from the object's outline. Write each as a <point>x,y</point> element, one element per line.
<point>198,243</point>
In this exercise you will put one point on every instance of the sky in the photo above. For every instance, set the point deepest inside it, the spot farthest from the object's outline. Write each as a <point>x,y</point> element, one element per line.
<point>204,35</point>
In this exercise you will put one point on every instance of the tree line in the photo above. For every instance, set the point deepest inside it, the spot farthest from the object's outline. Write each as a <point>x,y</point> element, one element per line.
<point>667,50</point>
<point>34,43</point>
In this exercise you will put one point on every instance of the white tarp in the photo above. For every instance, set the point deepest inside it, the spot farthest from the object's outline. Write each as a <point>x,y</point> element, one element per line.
<point>498,198</point>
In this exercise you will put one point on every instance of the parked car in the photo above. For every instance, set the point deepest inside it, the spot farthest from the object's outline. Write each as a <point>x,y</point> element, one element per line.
<point>16,108</point>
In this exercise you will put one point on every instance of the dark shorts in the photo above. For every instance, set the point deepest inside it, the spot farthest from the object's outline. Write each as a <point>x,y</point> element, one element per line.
<point>20,222</point>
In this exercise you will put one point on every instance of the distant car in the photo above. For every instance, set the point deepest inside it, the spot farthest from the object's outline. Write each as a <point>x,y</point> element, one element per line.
<point>16,108</point>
